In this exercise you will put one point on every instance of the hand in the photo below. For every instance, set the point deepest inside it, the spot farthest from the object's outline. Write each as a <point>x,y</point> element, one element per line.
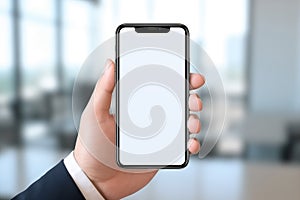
<point>97,122</point>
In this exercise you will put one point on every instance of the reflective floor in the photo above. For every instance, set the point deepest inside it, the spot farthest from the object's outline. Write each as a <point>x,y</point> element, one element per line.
<point>21,167</point>
<point>210,179</point>
<point>221,179</point>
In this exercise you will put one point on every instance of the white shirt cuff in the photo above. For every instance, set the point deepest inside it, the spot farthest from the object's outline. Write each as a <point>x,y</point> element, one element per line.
<point>85,186</point>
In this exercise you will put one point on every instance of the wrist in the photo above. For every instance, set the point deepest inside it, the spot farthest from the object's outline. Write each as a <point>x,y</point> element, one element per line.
<point>93,169</point>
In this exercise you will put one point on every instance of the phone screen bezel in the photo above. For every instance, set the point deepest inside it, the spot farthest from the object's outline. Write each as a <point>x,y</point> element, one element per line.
<point>187,72</point>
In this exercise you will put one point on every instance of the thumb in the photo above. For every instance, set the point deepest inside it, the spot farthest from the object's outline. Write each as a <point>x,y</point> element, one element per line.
<point>103,91</point>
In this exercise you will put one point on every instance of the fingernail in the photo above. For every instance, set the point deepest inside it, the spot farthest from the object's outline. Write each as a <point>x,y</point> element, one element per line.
<point>194,124</point>
<point>190,142</point>
<point>194,103</point>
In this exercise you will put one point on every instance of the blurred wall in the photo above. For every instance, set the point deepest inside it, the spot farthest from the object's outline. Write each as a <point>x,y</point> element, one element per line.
<point>274,69</point>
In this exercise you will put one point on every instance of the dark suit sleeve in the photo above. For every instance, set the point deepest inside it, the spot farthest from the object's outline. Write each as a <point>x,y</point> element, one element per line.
<point>55,184</point>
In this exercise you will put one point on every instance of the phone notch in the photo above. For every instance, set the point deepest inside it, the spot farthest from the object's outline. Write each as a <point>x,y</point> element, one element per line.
<point>152,29</point>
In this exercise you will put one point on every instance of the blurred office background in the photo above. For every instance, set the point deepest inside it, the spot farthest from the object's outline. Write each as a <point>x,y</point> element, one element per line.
<point>255,45</point>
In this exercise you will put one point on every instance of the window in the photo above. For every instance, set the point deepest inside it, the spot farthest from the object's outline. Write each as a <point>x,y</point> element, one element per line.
<point>37,47</point>
<point>224,39</point>
<point>77,37</point>
<point>39,43</point>
<point>46,47</point>
<point>6,52</point>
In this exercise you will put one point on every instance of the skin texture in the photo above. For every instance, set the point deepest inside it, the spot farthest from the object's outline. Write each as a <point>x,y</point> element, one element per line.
<point>111,182</point>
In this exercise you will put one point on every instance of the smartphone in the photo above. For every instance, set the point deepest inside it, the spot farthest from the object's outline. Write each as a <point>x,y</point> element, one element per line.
<point>152,88</point>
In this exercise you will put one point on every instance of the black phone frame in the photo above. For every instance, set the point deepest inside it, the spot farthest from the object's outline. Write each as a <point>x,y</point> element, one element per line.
<point>159,26</point>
